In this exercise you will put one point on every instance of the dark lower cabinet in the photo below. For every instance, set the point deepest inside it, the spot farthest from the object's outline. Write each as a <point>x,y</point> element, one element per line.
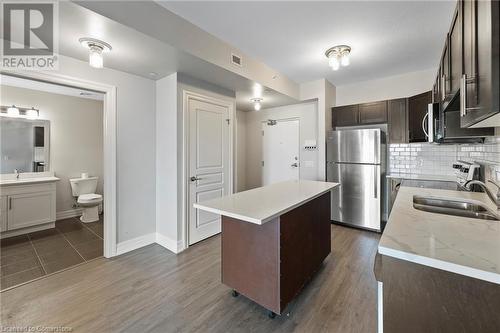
<point>397,120</point>
<point>347,115</point>
<point>373,113</point>
<point>417,109</point>
<point>416,298</point>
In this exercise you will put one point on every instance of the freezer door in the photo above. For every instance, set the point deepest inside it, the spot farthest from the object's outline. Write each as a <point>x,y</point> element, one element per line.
<point>354,146</point>
<point>357,200</point>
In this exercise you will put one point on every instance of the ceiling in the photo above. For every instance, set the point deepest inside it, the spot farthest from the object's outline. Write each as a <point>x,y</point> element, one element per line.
<point>13,81</point>
<point>387,37</point>
<point>140,54</point>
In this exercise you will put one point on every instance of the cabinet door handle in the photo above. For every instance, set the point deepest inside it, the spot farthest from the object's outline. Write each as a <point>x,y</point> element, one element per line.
<point>463,95</point>
<point>10,203</point>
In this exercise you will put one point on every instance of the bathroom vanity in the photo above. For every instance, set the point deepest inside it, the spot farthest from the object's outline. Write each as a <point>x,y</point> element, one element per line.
<point>27,204</point>
<point>27,187</point>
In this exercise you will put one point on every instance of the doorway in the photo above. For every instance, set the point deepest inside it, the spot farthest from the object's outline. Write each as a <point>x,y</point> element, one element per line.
<point>109,144</point>
<point>280,150</point>
<point>209,160</point>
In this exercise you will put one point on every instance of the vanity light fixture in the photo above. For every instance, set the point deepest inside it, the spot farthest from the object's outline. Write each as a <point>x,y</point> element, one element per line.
<point>96,49</point>
<point>257,103</point>
<point>13,111</point>
<point>32,113</point>
<point>338,55</point>
<point>17,112</point>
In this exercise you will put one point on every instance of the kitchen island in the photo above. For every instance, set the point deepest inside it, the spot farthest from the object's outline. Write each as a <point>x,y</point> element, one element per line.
<point>274,239</point>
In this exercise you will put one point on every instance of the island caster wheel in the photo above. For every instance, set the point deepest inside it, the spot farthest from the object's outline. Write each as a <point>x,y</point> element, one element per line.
<point>271,314</point>
<point>235,293</point>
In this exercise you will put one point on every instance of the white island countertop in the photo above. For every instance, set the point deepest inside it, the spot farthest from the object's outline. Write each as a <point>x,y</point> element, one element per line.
<point>461,245</point>
<point>263,204</point>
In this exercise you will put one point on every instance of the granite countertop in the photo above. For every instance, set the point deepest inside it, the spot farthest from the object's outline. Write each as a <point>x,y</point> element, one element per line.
<point>442,178</point>
<point>263,204</point>
<point>461,245</point>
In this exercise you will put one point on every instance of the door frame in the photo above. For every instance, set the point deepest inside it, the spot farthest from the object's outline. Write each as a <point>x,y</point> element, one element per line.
<point>299,154</point>
<point>109,143</point>
<point>213,98</point>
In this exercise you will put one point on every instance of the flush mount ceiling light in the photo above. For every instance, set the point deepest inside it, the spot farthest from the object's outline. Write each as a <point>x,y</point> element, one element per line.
<point>257,103</point>
<point>12,111</point>
<point>338,55</point>
<point>96,49</point>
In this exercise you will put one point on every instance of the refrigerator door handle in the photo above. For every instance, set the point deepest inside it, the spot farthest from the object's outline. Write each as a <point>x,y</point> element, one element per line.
<point>375,182</point>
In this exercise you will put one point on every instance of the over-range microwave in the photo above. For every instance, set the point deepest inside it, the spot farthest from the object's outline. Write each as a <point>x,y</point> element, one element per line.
<point>444,126</point>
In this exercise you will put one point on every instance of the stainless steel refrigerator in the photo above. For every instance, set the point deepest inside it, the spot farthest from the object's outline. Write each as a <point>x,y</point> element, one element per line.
<point>356,160</point>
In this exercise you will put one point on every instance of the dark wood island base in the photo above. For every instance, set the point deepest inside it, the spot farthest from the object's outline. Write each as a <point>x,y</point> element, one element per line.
<point>272,262</point>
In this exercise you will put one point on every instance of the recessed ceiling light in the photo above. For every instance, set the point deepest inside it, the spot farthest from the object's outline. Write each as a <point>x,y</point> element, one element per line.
<point>338,55</point>
<point>96,49</point>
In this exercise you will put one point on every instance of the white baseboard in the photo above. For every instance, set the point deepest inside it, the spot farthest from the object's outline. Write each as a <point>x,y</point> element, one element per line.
<point>66,214</point>
<point>169,243</point>
<point>135,243</point>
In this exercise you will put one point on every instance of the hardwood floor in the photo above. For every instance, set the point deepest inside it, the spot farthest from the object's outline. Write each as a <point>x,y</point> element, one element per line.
<point>153,290</point>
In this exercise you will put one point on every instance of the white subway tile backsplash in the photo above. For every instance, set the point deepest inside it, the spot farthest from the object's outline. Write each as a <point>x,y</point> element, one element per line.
<point>424,158</point>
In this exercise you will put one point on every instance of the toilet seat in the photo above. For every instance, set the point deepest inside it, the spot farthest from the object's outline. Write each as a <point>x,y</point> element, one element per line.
<point>89,198</point>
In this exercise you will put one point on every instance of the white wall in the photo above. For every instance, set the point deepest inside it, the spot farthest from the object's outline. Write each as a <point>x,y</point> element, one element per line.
<point>135,97</point>
<point>241,159</point>
<point>325,93</point>
<point>391,87</point>
<point>76,136</point>
<point>308,117</point>
<point>166,161</point>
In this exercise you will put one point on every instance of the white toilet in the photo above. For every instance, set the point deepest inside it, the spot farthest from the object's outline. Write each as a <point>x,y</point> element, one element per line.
<point>84,189</point>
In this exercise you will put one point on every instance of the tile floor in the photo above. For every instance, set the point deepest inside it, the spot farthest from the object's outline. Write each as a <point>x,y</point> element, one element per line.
<point>30,256</point>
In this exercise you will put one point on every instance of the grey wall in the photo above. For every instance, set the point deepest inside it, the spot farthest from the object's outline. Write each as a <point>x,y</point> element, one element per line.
<point>308,117</point>
<point>135,97</point>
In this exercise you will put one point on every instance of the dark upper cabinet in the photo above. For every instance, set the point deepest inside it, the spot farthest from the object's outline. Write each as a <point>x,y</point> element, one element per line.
<point>373,113</point>
<point>347,115</point>
<point>455,54</point>
<point>480,92</point>
<point>417,109</point>
<point>445,72</point>
<point>397,120</point>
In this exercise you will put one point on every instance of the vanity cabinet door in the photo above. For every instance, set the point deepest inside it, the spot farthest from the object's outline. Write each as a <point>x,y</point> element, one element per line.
<point>25,210</point>
<point>3,213</point>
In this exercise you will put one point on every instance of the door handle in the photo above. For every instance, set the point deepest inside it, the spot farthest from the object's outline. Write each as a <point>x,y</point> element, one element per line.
<point>295,165</point>
<point>423,125</point>
<point>193,179</point>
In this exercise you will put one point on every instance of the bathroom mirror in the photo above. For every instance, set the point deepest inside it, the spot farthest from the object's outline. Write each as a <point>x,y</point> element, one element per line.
<point>24,145</point>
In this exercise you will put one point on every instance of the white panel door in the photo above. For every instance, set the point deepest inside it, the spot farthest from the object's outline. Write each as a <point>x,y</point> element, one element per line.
<point>280,151</point>
<point>209,164</point>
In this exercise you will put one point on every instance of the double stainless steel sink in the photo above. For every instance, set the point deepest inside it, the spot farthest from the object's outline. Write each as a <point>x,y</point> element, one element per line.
<point>456,207</point>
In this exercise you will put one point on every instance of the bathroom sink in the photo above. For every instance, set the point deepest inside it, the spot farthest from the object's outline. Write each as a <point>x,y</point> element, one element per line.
<point>456,207</point>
